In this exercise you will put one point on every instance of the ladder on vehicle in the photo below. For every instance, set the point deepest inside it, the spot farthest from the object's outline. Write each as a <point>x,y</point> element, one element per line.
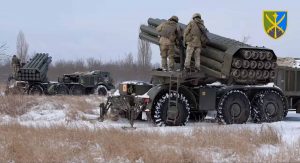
<point>174,80</point>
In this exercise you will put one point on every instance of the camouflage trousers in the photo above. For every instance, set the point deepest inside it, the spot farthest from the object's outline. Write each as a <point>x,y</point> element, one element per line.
<point>15,69</point>
<point>167,51</point>
<point>190,52</point>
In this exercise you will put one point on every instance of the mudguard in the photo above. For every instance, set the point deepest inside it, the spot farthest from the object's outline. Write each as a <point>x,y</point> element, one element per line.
<point>156,91</point>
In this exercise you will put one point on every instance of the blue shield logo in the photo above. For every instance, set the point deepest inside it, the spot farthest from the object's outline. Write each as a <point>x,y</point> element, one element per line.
<point>275,23</point>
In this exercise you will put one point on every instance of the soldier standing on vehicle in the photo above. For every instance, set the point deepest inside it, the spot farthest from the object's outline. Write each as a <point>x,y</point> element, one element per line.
<point>15,62</point>
<point>195,38</point>
<point>169,33</point>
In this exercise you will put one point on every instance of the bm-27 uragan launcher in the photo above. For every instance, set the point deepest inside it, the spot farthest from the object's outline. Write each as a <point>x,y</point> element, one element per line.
<point>233,83</point>
<point>227,59</point>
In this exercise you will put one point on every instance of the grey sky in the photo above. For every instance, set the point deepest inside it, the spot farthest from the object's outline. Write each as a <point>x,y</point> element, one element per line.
<point>108,29</point>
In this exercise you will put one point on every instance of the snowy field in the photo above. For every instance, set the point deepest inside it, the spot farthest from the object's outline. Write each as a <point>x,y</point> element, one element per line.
<point>49,113</point>
<point>82,113</point>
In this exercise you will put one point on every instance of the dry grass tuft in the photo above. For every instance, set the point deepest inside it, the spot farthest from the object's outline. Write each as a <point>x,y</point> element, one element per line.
<point>61,144</point>
<point>2,87</point>
<point>269,135</point>
<point>16,105</point>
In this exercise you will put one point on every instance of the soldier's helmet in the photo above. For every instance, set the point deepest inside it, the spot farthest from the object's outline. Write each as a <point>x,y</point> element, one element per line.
<point>196,15</point>
<point>14,56</point>
<point>174,18</point>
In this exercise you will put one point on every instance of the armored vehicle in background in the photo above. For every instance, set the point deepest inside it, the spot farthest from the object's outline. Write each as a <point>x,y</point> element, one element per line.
<point>233,82</point>
<point>32,79</point>
<point>95,82</point>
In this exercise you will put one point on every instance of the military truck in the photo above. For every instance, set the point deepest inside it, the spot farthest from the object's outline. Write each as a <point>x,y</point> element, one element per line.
<point>288,80</point>
<point>94,82</point>
<point>32,79</point>
<point>233,83</point>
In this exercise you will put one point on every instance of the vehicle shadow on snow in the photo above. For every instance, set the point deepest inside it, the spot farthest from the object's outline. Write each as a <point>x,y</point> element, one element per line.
<point>292,117</point>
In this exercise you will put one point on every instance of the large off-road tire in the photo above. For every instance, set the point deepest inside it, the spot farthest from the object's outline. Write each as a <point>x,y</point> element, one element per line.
<point>101,90</point>
<point>233,108</point>
<point>62,89</point>
<point>268,106</point>
<point>35,90</point>
<point>165,116</point>
<point>285,112</point>
<point>77,90</point>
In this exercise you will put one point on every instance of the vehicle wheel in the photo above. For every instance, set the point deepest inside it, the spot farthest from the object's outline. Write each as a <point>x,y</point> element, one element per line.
<point>165,116</point>
<point>77,90</point>
<point>35,90</point>
<point>285,112</point>
<point>101,90</point>
<point>233,108</point>
<point>267,106</point>
<point>62,89</point>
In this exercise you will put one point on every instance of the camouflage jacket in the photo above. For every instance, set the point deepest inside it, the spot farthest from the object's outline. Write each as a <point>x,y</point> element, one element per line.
<point>193,34</point>
<point>169,33</point>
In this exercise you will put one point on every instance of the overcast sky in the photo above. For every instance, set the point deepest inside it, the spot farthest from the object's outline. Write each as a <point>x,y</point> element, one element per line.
<point>108,29</point>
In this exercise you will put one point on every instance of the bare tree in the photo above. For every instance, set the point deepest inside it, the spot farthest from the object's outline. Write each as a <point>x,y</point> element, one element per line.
<point>3,56</point>
<point>245,39</point>
<point>22,47</point>
<point>129,60</point>
<point>2,48</point>
<point>144,54</point>
<point>93,64</point>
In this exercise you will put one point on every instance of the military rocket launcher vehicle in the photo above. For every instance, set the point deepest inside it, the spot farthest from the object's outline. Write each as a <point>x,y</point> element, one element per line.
<point>36,69</point>
<point>233,83</point>
<point>32,79</point>
<point>225,59</point>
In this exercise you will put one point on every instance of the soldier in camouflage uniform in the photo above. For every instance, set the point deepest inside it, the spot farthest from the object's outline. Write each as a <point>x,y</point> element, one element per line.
<point>15,62</point>
<point>195,38</point>
<point>169,33</point>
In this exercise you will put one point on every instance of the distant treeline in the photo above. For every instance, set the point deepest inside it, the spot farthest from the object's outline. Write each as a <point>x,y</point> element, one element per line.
<point>124,69</point>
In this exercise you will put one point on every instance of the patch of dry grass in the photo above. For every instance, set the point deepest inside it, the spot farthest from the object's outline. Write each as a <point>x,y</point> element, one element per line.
<point>2,87</point>
<point>61,144</point>
<point>16,105</point>
<point>226,137</point>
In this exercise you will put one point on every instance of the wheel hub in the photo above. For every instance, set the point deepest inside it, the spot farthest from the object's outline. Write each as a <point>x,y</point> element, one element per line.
<point>172,111</point>
<point>102,91</point>
<point>235,110</point>
<point>270,108</point>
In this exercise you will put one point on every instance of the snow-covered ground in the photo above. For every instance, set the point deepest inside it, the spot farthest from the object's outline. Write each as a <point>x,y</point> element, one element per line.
<point>49,113</point>
<point>297,65</point>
